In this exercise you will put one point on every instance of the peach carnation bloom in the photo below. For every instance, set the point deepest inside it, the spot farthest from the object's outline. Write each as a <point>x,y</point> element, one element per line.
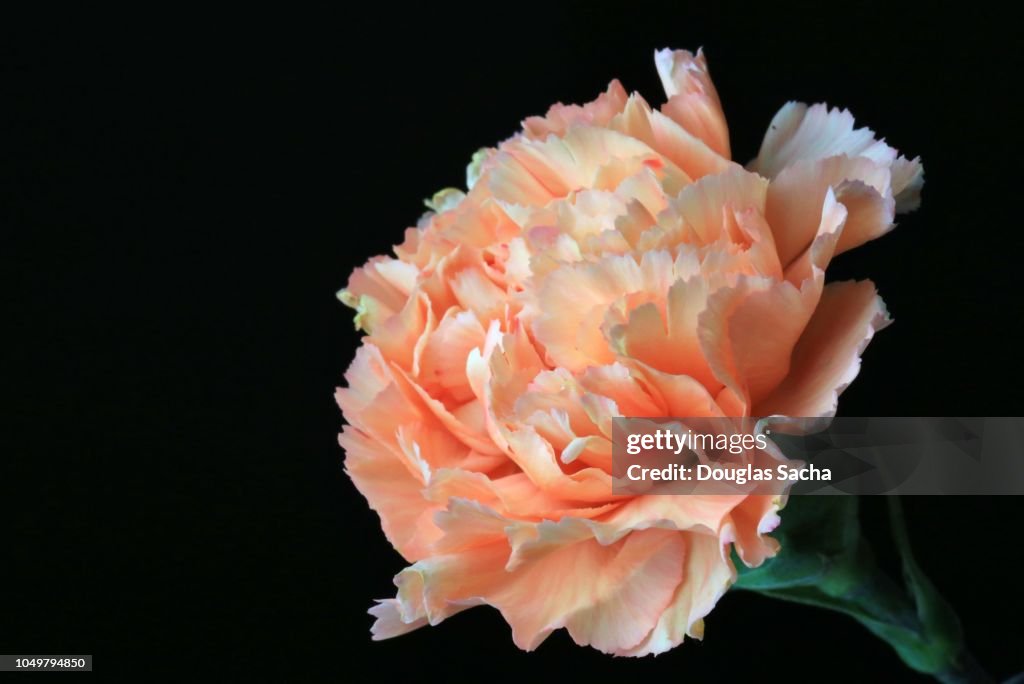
<point>609,260</point>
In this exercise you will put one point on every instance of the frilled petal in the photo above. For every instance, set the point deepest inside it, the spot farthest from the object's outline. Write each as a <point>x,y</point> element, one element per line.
<point>534,172</point>
<point>388,621</point>
<point>561,117</point>
<point>707,576</point>
<point>609,597</point>
<point>576,310</point>
<point>665,338</point>
<point>827,357</point>
<point>802,133</point>
<point>692,99</point>
<point>907,181</point>
<point>748,526</point>
<point>609,260</point>
<point>378,290</point>
<point>512,496</point>
<point>573,302</point>
<point>749,330</point>
<point>443,363</point>
<point>538,460</point>
<point>403,336</point>
<point>796,202</point>
<point>393,492</point>
<point>686,151</point>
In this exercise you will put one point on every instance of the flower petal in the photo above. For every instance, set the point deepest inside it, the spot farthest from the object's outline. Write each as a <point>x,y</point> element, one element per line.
<point>748,332</point>
<point>795,202</point>
<point>707,576</point>
<point>802,133</point>
<point>561,117</point>
<point>827,357</point>
<point>692,99</point>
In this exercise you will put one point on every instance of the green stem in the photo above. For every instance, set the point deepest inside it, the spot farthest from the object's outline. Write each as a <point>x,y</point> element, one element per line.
<point>934,612</point>
<point>968,671</point>
<point>826,562</point>
<point>859,589</point>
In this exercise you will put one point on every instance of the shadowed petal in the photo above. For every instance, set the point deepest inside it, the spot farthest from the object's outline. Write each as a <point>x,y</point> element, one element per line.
<point>827,357</point>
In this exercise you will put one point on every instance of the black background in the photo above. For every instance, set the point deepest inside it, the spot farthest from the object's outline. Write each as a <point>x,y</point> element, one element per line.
<point>183,195</point>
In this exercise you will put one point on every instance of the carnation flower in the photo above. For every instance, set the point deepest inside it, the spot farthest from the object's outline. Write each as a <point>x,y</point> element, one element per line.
<point>609,260</point>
